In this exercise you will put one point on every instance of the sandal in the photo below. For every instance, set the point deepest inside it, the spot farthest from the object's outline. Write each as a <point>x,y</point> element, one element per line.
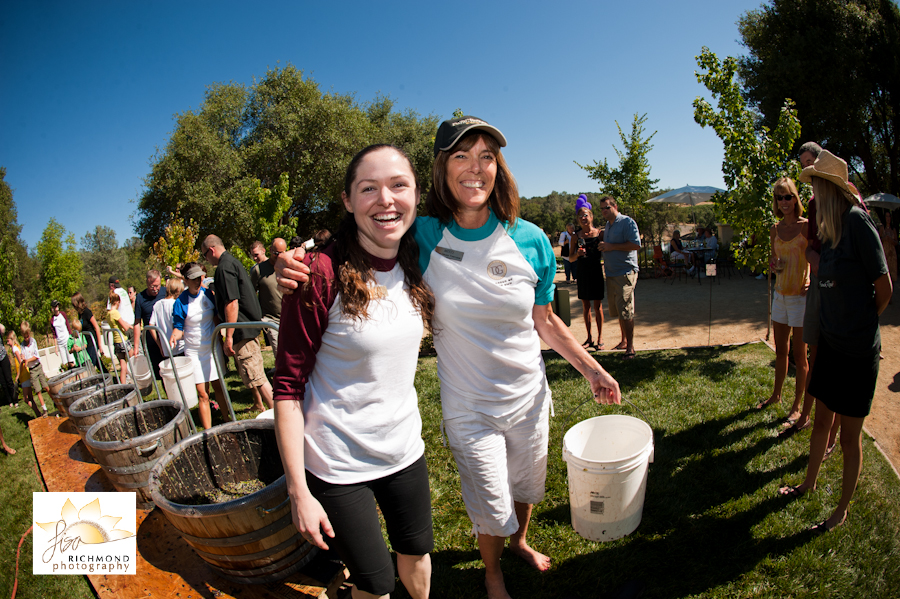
<point>588,344</point>
<point>764,404</point>
<point>628,355</point>
<point>791,491</point>
<point>794,429</point>
<point>829,451</point>
<point>822,527</point>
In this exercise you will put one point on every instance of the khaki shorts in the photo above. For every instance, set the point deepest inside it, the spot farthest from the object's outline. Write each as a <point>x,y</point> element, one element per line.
<point>620,292</point>
<point>249,361</point>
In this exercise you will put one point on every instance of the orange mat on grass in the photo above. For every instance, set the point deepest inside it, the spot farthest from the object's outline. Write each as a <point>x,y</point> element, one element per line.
<point>166,565</point>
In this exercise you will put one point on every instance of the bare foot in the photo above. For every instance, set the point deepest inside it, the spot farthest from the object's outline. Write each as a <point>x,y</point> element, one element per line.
<point>622,345</point>
<point>496,588</point>
<point>772,400</point>
<point>9,449</point>
<point>538,561</point>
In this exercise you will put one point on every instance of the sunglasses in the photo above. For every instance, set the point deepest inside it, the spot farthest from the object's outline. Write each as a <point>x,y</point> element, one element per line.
<point>781,198</point>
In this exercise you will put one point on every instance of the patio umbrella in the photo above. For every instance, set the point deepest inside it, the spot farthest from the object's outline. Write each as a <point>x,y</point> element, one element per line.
<point>883,200</point>
<point>689,195</point>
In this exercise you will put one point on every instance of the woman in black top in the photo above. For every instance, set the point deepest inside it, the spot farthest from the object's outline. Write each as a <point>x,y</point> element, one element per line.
<point>854,289</point>
<point>89,326</point>
<point>584,250</point>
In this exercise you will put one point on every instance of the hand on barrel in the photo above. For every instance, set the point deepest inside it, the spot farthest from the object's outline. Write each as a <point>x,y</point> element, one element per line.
<point>311,520</point>
<point>605,388</point>
<point>290,270</point>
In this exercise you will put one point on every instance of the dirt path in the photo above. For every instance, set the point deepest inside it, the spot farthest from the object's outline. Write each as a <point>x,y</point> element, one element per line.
<point>687,314</point>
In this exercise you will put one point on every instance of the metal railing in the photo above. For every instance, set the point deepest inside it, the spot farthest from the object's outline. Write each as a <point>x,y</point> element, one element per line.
<point>259,324</point>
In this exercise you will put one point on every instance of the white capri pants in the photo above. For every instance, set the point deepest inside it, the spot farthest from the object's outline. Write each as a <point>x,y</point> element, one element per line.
<point>501,460</point>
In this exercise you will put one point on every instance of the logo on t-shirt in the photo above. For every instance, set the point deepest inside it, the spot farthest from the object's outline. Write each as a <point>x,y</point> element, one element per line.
<point>496,269</point>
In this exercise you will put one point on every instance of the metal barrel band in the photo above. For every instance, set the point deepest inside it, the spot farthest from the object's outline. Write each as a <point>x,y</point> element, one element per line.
<point>259,324</point>
<point>247,557</point>
<point>136,469</point>
<point>241,539</point>
<point>131,485</point>
<point>264,512</point>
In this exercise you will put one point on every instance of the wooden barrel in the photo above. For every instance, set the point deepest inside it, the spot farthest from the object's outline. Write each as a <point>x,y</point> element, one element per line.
<point>128,443</point>
<point>78,389</point>
<point>248,536</point>
<point>91,408</point>
<point>57,382</point>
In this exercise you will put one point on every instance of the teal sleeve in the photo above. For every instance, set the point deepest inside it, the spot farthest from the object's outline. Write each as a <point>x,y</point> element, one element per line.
<point>536,248</point>
<point>427,231</point>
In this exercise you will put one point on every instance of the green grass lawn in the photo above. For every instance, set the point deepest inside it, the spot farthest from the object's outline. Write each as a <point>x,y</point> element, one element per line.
<point>713,523</point>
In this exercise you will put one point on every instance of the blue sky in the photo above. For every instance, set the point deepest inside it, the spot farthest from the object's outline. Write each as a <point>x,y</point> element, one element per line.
<point>88,90</point>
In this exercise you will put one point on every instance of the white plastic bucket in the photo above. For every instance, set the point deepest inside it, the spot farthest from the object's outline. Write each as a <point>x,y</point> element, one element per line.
<point>607,459</point>
<point>143,374</point>
<point>185,371</point>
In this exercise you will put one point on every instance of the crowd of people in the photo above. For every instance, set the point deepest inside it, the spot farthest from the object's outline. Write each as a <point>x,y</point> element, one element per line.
<point>354,307</point>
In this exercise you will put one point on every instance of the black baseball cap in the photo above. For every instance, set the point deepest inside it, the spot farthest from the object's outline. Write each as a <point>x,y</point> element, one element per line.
<point>450,131</point>
<point>54,304</point>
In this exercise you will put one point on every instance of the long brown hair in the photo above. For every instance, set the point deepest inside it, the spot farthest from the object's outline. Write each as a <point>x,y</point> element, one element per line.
<point>504,199</point>
<point>79,303</point>
<point>354,270</point>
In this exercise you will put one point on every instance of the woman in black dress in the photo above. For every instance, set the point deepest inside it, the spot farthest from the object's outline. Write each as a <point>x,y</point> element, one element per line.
<point>854,288</point>
<point>89,326</point>
<point>584,249</point>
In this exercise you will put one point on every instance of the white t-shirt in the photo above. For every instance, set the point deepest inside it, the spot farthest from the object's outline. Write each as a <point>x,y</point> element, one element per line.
<point>162,318</point>
<point>59,326</point>
<point>486,283</point>
<point>125,309</point>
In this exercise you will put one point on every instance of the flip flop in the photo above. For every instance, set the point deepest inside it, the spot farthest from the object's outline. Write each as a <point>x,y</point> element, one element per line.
<point>628,355</point>
<point>598,346</point>
<point>794,429</point>
<point>791,491</point>
<point>822,527</point>
<point>829,451</point>
<point>588,343</point>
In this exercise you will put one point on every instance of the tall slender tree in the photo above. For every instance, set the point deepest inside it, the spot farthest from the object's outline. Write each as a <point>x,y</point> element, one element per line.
<point>754,156</point>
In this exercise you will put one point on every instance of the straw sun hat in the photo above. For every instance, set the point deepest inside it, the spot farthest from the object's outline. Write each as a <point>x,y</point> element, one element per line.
<point>831,168</point>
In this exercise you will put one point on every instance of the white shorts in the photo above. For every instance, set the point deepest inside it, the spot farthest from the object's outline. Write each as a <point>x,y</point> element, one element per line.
<point>788,309</point>
<point>501,461</point>
<point>64,356</point>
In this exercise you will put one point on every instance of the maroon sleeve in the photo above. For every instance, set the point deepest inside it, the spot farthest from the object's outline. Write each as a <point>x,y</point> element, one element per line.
<point>301,328</point>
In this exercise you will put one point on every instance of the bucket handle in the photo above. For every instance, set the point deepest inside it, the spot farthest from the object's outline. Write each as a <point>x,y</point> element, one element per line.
<point>149,449</point>
<point>575,409</point>
<point>264,512</point>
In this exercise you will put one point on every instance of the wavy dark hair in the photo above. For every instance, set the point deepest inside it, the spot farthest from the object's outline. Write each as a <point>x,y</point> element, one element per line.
<point>354,270</point>
<point>504,198</point>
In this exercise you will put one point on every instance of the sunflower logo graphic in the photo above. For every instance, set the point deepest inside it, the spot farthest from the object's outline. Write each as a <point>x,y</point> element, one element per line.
<point>87,524</point>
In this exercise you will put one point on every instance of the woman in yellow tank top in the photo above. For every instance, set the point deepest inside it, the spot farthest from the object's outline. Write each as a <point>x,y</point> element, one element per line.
<point>788,261</point>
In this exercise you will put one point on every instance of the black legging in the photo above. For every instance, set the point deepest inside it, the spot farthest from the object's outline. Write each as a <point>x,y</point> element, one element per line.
<point>10,391</point>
